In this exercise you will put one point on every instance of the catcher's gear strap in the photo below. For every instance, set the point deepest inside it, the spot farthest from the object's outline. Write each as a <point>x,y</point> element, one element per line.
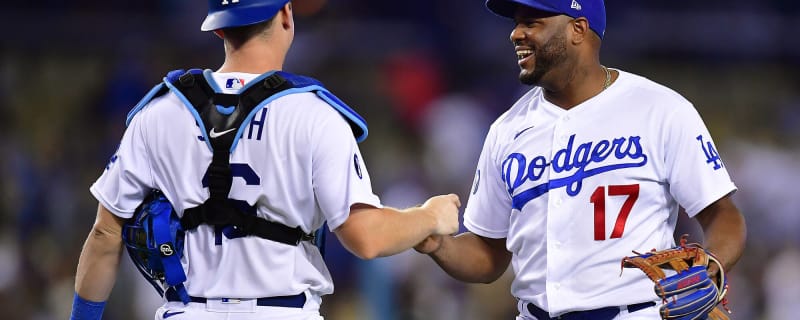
<point>224,112</point>
<point>300,84</point>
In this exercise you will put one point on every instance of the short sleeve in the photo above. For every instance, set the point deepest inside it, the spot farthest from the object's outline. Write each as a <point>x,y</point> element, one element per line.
<point>489,206</point>
<point>128,176</point>
<point>696,174</point>
<point>339,174</point>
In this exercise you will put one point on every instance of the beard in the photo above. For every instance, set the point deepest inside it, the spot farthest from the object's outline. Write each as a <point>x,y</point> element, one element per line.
<point>548,56</point>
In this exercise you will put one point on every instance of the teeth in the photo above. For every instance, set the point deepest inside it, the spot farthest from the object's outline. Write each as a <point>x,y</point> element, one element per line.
<point>521,54</point>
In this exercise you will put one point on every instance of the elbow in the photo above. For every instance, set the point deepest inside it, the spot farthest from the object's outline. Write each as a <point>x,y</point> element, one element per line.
<point>358,236</point>
<point>366,255</point>
<point>108,240</point>
<point>488,280</point>
<point>364,250</point>
<point>105,233</point>
<point>490,277</point>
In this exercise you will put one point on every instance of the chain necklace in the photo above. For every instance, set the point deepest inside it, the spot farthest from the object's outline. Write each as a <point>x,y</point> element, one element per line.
<point>608,77</point>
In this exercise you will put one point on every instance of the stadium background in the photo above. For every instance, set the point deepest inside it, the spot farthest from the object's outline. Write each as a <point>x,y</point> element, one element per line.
<point>429,77</point>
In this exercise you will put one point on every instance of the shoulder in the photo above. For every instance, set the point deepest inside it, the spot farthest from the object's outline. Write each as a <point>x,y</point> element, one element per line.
<point>519,111</point>
<point>307,105</point>
<point>159,107</point>
<point>308,115</point>
<point>640,88</point>
<point>302,101</point>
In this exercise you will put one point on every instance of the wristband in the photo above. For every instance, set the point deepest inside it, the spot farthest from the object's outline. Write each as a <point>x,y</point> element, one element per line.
<point>85,309</point>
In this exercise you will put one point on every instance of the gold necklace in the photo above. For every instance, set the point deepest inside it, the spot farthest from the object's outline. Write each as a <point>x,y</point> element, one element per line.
<point>608,77</point>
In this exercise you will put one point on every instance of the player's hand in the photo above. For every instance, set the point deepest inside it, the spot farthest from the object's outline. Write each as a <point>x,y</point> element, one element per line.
<point>444,210</point>
<point>430,244</point>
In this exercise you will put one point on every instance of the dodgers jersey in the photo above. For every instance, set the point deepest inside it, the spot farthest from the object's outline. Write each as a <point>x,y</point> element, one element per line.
<point>297,162</point>
<point>574,191</point>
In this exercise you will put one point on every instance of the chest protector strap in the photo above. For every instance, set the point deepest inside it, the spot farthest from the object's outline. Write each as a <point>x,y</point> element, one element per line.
<point>222,117</point>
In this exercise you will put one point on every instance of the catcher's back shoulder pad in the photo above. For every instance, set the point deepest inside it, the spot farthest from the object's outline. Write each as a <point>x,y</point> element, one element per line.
<point>277,83</point>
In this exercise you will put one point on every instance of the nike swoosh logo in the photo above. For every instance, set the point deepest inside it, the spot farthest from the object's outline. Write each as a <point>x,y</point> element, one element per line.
<point>213,134</point>
<point>523,130</point>
<point>169,314</point>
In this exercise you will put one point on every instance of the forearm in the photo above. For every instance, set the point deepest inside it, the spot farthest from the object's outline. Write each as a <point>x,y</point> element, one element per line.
<point>725,238</point>
<point>469,258</point>
<point>725,231</point>
<point>380,232</point>
<point>98,264</point>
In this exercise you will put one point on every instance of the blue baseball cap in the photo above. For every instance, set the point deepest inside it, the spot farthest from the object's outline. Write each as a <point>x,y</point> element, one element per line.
<point>592,10</point>
<point>236,13</point>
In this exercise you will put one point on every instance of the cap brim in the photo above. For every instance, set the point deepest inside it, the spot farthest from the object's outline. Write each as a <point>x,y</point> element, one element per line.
<point>240,16</point>
<point>507,8</point>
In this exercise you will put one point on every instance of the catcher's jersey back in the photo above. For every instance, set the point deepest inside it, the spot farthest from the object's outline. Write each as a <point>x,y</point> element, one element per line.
<point>297,162</point>
<point>574,191</point>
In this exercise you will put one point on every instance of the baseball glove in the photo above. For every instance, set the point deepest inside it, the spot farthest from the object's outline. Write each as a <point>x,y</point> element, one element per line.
<point>690,293</point>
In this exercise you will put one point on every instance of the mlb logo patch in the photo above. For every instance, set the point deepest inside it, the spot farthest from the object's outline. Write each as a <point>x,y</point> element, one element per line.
<point>234,83</point>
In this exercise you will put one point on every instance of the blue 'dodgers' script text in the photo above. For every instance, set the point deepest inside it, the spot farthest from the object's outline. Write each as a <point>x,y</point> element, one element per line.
<point>585,160</point>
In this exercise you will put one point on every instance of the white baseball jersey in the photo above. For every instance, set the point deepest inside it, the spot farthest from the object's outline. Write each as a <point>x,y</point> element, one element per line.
<point>574,191</point>
<point>297,162</point>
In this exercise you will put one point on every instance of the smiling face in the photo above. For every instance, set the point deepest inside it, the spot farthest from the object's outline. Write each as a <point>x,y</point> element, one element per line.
<point>540,42</point>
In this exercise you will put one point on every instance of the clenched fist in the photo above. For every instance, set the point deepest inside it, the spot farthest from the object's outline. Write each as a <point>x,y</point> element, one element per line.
<point>444,210</point>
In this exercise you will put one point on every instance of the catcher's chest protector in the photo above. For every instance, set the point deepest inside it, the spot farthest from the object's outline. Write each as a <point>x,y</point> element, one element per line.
<point>222,118</point>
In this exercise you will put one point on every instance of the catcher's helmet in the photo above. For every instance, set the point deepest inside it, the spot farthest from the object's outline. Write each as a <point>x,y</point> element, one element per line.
<point>154,239</point>
<point>236,13</point>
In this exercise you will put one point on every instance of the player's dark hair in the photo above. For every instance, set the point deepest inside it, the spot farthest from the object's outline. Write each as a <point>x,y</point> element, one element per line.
<point>239,35</point>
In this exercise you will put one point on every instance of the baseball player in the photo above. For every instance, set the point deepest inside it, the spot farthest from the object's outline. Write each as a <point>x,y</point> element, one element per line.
<point>294,161</point>
<point>587,166</point>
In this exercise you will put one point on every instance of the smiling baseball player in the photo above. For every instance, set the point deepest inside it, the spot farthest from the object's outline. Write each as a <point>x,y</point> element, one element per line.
<point>252,160</point>
<point>589,165</point>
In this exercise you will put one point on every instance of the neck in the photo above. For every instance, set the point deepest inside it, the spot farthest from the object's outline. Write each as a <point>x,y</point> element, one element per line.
<point>253,57</point>
<point>576,86</point>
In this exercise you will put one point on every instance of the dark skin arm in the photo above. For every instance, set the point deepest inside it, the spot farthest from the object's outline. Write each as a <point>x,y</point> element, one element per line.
<point>468,257</point>
<point>725,232</point>
<point>472,258</point>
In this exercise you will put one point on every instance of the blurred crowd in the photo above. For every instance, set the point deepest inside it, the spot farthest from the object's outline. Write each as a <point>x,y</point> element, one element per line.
<point>429,76</point>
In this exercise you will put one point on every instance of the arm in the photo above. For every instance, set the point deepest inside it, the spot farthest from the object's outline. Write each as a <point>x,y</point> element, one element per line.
<point>725,231</point>
<point>99,260</point>
<point>371,232</point>
<point>468,257</point>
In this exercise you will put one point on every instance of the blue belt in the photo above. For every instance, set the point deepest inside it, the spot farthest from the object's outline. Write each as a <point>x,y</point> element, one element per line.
<point>295,301</point>
<point>606,313</point>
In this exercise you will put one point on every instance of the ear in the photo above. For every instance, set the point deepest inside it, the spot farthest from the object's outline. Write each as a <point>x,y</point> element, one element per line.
<point>287,18</point>
<point>580,30</point>
<point>219,33</point>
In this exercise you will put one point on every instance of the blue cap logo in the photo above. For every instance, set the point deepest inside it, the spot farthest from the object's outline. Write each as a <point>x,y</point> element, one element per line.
<point>592,10</point>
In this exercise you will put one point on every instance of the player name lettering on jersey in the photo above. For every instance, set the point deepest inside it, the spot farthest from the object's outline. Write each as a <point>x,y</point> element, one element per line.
<point>585,160</point>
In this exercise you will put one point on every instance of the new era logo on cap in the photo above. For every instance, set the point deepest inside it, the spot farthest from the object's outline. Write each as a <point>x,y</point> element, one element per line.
<point>593,10</point>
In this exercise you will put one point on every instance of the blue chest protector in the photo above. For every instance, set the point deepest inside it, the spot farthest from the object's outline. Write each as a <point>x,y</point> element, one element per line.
<point>154,236</point>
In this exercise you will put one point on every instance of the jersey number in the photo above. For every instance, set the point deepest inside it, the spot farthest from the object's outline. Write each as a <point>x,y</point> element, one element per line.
<point>241,170</point>
<point>599,200</point>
